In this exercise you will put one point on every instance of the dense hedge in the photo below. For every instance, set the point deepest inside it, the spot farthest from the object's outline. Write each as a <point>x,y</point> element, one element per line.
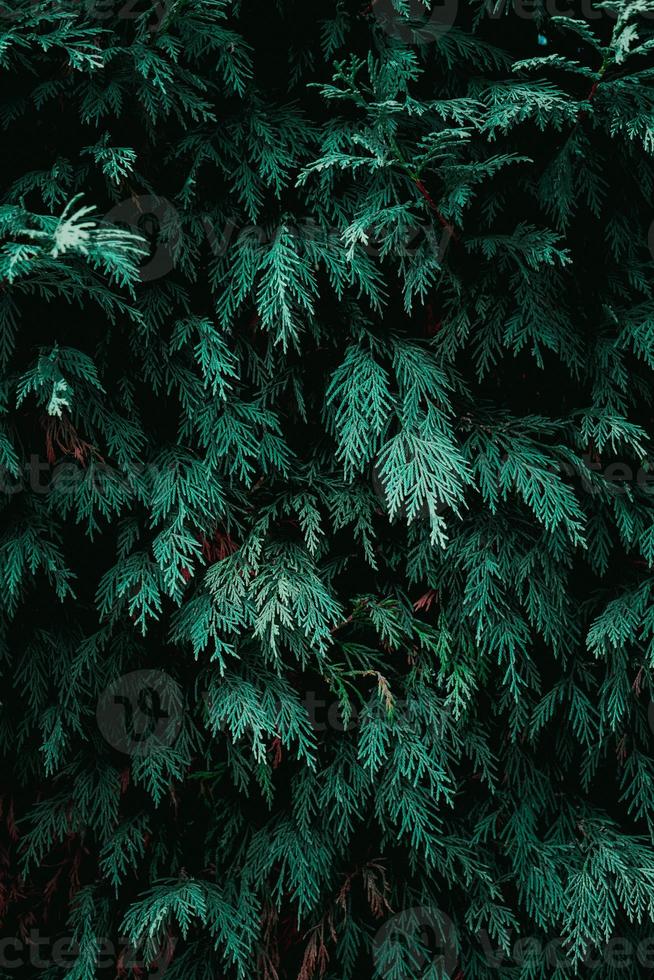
<point>327,602</point>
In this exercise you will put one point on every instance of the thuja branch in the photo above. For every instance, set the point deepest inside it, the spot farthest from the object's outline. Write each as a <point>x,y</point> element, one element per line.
<point>423,190</point>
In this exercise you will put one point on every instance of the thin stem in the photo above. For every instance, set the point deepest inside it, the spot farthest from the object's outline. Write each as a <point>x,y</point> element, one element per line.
<point>415,177</point>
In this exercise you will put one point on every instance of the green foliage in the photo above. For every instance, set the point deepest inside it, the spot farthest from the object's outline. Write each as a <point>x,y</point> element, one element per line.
<point>326,383</point>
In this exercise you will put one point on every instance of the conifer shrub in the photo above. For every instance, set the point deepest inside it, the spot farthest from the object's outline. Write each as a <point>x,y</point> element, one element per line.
<point>327,545</point>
